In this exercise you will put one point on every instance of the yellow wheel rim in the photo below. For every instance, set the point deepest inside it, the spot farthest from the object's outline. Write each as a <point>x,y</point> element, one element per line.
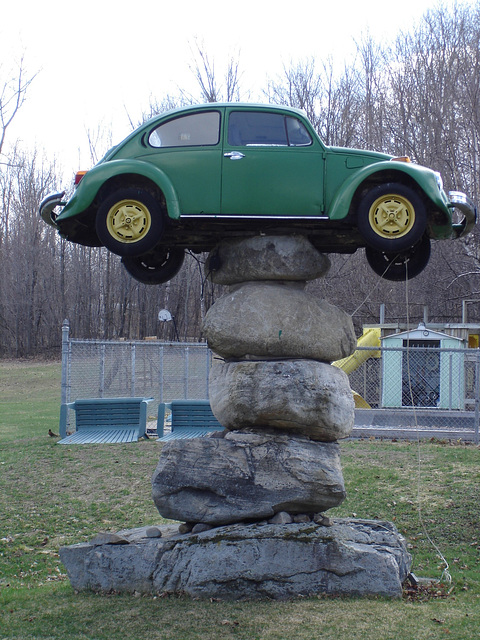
<point>128,221</point>
<point>392,216</point>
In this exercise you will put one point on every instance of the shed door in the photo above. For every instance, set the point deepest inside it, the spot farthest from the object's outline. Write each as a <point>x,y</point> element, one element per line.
<point>421,373</point>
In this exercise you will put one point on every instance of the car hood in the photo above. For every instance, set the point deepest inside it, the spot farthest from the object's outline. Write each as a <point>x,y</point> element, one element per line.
<point>372,155</point>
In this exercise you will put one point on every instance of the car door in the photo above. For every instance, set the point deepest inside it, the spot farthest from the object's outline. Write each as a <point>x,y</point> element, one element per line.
<point>272,166</point>
<point>188,150</point>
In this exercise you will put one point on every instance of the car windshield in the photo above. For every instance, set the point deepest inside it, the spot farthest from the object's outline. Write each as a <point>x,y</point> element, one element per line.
<point>198,129</point>
<point>251,128</point>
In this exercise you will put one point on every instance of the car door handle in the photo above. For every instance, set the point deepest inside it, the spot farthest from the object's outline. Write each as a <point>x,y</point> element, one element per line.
<point>234,155</point>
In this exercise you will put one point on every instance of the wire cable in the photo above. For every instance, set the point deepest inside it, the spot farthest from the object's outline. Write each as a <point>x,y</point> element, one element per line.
<point>445,576</point>
<point>379,282</point>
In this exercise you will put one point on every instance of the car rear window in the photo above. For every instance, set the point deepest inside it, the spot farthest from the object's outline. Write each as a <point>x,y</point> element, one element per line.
<point>193,130</point>
<point>252,128</point>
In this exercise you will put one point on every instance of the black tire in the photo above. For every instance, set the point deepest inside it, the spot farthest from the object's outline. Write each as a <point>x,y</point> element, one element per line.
<point>129,222</point>
<point>156,267</point>
<point>400,266</point>
<point>391,217</point>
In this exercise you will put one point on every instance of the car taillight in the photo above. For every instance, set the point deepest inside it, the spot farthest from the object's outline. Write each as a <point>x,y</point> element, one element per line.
<point>401,159</point>
<point>78,177</point>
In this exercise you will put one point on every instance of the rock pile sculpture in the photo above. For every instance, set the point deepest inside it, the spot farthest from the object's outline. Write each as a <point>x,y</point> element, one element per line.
<point>252,499</point>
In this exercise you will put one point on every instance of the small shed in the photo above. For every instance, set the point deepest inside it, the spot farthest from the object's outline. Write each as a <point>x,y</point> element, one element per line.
<point>423,368</point>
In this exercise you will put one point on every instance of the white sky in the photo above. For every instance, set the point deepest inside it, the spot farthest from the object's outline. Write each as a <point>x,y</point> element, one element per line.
<point>98,60</point>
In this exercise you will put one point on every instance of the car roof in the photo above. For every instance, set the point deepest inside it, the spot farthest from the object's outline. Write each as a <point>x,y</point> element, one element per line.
<point>222,105</point>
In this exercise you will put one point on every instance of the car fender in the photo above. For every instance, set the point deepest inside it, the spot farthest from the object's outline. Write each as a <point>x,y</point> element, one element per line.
<point>94,179</point>
<point>424,178</point>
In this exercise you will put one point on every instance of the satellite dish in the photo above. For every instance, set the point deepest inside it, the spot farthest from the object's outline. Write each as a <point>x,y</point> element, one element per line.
<point>164,315</point>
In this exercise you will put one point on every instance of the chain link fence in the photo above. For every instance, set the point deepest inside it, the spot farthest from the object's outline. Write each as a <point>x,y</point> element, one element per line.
<point>428,389</point>
<point>433,390</point>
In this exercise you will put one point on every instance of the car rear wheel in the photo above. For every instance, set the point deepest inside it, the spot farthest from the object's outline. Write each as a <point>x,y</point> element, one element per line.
<point>391,217</point>
<point>156,267</point>
<point>400,266</point>
<point>129,222</point>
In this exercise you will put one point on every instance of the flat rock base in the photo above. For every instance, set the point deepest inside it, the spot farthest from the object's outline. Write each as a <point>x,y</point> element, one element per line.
<point>356,557</point>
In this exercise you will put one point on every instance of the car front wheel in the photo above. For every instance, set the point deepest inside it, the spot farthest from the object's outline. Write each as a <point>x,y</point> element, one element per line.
<point>400,266</point>
<point>156,267</point>
<point>129,222</point>
<point>391,217</point>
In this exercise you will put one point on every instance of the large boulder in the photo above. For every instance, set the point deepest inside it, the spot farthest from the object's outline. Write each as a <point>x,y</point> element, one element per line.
<point>246,476</point>
<point>265,258</point>
<point>275,320</point>
<point>305,397</point>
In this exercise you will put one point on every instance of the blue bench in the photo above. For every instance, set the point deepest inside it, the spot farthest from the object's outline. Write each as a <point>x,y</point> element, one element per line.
<point>190,419</point>
<point>100,420</point>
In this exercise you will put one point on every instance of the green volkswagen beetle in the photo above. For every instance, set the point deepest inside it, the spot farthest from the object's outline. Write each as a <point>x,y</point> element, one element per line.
<point>193,176</point>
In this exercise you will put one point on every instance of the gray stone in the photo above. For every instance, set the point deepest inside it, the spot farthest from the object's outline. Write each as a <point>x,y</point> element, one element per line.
<point>153,532</point>
<point>301,517</point>
<point>139,533</point>
<point>282,517</point>
<point>108,538</point>
<point>200,527</point>
<point>265,258</point>
<point>277,320</point>
<point>321,518</point>
<point>354,557</point>
<point>246,476</point>
<point>300,396</point>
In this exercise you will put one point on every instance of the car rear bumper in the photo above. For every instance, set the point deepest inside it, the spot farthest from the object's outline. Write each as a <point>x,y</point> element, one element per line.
<point>460,201</point>
<point>48,205</point>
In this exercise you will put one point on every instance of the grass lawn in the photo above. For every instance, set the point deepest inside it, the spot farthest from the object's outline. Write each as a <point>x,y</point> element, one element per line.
<point>54,495</point>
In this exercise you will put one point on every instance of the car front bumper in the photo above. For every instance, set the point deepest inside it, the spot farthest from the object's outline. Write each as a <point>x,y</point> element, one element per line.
<point>460,201</point>
<point>48,205</point>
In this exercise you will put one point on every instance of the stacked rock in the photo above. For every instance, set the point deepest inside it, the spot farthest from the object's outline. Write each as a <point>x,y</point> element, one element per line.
<point>272,387</point>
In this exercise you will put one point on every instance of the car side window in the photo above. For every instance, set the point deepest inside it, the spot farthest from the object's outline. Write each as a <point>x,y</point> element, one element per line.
<point>254,128</point>
<point>298,135</point>
<point>196,130</point>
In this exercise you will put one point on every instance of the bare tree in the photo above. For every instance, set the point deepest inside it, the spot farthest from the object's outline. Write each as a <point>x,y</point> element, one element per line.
<point>371,71</point>
<point>13,89</point>
<point>300,86</point>
<point>330,101</point>
<point>25,255</point>
<point>214,87</point>
<point>99,138</point>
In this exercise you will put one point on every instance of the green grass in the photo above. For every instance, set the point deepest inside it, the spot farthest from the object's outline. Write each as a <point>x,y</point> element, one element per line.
<point>54,495</point>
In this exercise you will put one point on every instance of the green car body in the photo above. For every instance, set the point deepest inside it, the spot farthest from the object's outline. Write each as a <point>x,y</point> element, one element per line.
<point>196,175</point>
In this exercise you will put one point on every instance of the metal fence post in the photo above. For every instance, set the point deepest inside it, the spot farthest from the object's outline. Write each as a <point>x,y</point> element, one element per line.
<point>450,380</point>
<point>186,373</point>
<point>160,373</point>
<point>102,371</point>
<point>65,353</point>
<point>133,364</point>
<point>477,394</point>
<point>208,363</point>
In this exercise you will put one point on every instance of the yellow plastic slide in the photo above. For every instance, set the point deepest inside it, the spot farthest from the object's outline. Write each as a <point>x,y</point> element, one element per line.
<point>369,338</point>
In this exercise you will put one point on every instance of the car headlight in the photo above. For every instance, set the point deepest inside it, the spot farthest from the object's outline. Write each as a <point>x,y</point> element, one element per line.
<point>438,178</point>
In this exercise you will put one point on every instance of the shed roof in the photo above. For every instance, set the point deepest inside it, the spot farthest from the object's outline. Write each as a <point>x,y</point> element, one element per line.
<point>422,333</point>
